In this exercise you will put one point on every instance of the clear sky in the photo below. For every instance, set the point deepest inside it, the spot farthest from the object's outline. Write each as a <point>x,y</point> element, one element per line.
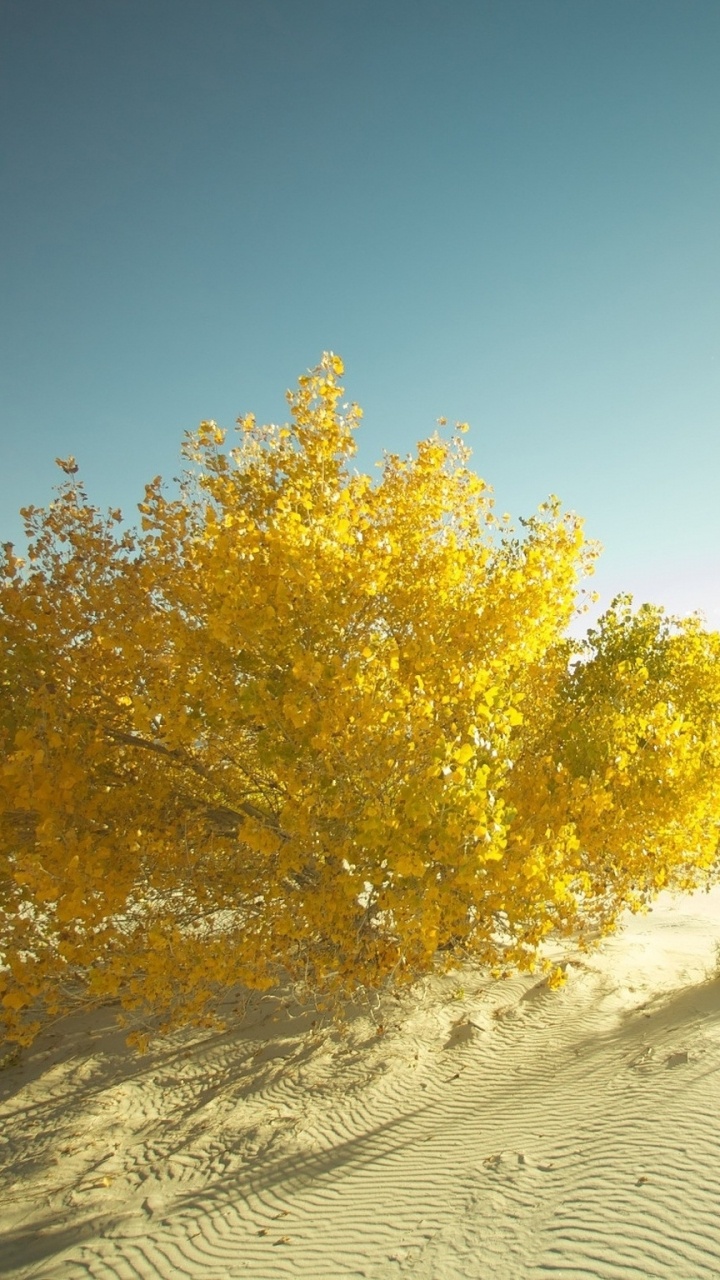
<point>501,211</point>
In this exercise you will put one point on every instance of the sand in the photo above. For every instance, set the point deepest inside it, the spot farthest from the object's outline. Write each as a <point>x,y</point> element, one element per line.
<point>473,1129</point>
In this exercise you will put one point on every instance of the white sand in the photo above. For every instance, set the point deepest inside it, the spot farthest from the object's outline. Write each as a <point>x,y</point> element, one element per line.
<point>495,1130</point>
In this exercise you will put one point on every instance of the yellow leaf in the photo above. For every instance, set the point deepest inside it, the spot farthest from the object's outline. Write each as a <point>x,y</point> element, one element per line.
<point>15,1000</point>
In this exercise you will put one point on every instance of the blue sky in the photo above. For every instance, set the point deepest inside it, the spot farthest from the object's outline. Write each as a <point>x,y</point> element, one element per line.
<point>501,211</point>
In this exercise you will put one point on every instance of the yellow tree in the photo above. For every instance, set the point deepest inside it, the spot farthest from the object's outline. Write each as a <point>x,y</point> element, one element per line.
<point>308,725</point>
<point>619,790</point>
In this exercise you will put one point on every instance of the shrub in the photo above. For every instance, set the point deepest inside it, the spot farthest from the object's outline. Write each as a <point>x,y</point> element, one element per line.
<point>308,725</point>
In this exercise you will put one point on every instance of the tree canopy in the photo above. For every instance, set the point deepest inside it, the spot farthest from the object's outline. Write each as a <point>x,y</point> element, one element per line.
<point>304,725</point>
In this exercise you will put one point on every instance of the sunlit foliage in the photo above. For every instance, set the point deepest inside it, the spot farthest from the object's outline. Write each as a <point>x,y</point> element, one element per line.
<point>307,725</point>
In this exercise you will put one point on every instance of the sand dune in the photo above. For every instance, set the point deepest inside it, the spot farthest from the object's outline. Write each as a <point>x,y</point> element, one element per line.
<point>473,1129</point>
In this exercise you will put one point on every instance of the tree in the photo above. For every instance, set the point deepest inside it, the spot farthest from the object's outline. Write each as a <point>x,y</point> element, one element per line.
<point>305,725</point>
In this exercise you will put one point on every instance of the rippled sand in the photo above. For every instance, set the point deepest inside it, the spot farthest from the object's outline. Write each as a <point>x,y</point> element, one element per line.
<point>473,1129</point>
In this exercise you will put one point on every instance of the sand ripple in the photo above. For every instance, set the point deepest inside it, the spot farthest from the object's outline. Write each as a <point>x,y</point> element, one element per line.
<point>492,1130</point>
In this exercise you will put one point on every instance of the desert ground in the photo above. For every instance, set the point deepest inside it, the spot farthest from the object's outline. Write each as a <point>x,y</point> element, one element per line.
<point>472,1128</point>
